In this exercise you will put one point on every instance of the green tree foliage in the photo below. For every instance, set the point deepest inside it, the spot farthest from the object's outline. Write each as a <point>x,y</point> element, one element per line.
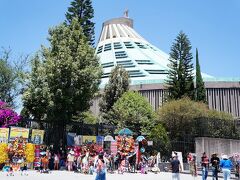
<point>7,82</point>
<point>134,112</point>
<point>84,12</point>
<point>64,77</point>
<point>86,117</point>
<point>83,123</point>
<point>36,97</point>
<point>117,85</point>
<point>11,77</point>
<point>158,135</point>
<point>180,77</point>
<point>89,118</point>
<point>186,118</point>
<point>200,89</point>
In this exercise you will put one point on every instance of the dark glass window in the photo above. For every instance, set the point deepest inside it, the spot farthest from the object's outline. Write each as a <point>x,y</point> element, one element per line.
<point>107,47</point>
<point>106,65</point>
<point>140,45</point>
<point>135,73</point>
<point>120,54</point>
<point>99,49</point>
<point>144,62</point>
<point>157,71</point>
<point>126,63</point>
<point>128,45</point>
<point>117,45</point>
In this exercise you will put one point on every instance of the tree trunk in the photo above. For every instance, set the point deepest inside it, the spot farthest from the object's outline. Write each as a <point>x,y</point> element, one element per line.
<point>57,135</point>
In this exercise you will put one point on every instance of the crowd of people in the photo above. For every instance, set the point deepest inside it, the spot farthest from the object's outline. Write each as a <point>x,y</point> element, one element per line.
<point>225,165</point>
<point>86,162</point>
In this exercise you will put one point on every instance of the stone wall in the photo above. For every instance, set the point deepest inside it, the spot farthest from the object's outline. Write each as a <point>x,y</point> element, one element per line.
<point>217,145</point>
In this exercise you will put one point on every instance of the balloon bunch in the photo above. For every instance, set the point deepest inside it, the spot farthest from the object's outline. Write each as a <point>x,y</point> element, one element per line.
<point>92,149</point>
<point>3,152</point>
<point>77,151</point>
<point>125,144</point>
<point>19,146</point>
<point>16,150</point>
<point>30,152</point>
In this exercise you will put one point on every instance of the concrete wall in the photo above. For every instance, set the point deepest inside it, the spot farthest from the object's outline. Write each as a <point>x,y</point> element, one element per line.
<point>217,145</point>
<point>221,96</point>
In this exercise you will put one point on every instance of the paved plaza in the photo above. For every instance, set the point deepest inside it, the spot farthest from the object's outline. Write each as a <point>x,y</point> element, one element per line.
<point>64,175</point>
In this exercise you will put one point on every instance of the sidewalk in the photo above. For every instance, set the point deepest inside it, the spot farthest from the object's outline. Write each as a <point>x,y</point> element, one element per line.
<point>220,175</point>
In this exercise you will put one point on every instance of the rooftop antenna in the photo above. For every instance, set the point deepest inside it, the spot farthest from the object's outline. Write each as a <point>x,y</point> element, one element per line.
<point>125,14</point>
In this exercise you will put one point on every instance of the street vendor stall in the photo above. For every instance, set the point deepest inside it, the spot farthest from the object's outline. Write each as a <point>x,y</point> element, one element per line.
<point>17,150</point>
<point>125,142</point>
<point>142,144</point>
<point>126,148</point>
<point>17,153</point>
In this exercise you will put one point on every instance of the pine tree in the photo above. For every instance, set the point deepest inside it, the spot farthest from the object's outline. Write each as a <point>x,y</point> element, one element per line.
<point>84,12</point>
<point>200,89</point>
<point>180,77</point>
<point>117,85</point>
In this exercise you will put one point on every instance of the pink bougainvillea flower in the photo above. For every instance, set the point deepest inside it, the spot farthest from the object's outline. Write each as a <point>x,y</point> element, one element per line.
<point>8,117</point>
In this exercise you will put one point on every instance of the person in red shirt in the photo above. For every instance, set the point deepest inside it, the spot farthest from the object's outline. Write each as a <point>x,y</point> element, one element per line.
<point>205,166</point>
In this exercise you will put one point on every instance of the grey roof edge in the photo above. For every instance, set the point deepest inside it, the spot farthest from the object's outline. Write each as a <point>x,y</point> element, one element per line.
<point>120,20</point>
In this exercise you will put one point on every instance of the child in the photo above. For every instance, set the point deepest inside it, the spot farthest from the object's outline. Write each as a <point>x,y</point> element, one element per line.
<point>15,167</point>
<point>143,165</point>
<point>85,168</point>
<point>121,167</point>
<point>91,168</point>
<point>24,169</point>
<point>79,161</point>
<point>62,163</point>
<point>56,161</point>
<point>6,168</point>
<point>111,164</point>
<point>44,164</point>
<point>155,169</point>
<point>10,172</point>
<point>45,161</point>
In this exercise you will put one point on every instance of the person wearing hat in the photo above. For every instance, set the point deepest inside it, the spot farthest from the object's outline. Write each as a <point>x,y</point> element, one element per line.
<point>226,166</point>
<point>70,160</point>
<point>215,165</point>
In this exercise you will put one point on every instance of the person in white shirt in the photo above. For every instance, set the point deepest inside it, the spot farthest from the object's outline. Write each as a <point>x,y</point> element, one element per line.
<point>70,160</point>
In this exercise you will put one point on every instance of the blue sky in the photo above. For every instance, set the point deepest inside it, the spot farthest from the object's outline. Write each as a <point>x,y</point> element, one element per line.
<point>212,26</point>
